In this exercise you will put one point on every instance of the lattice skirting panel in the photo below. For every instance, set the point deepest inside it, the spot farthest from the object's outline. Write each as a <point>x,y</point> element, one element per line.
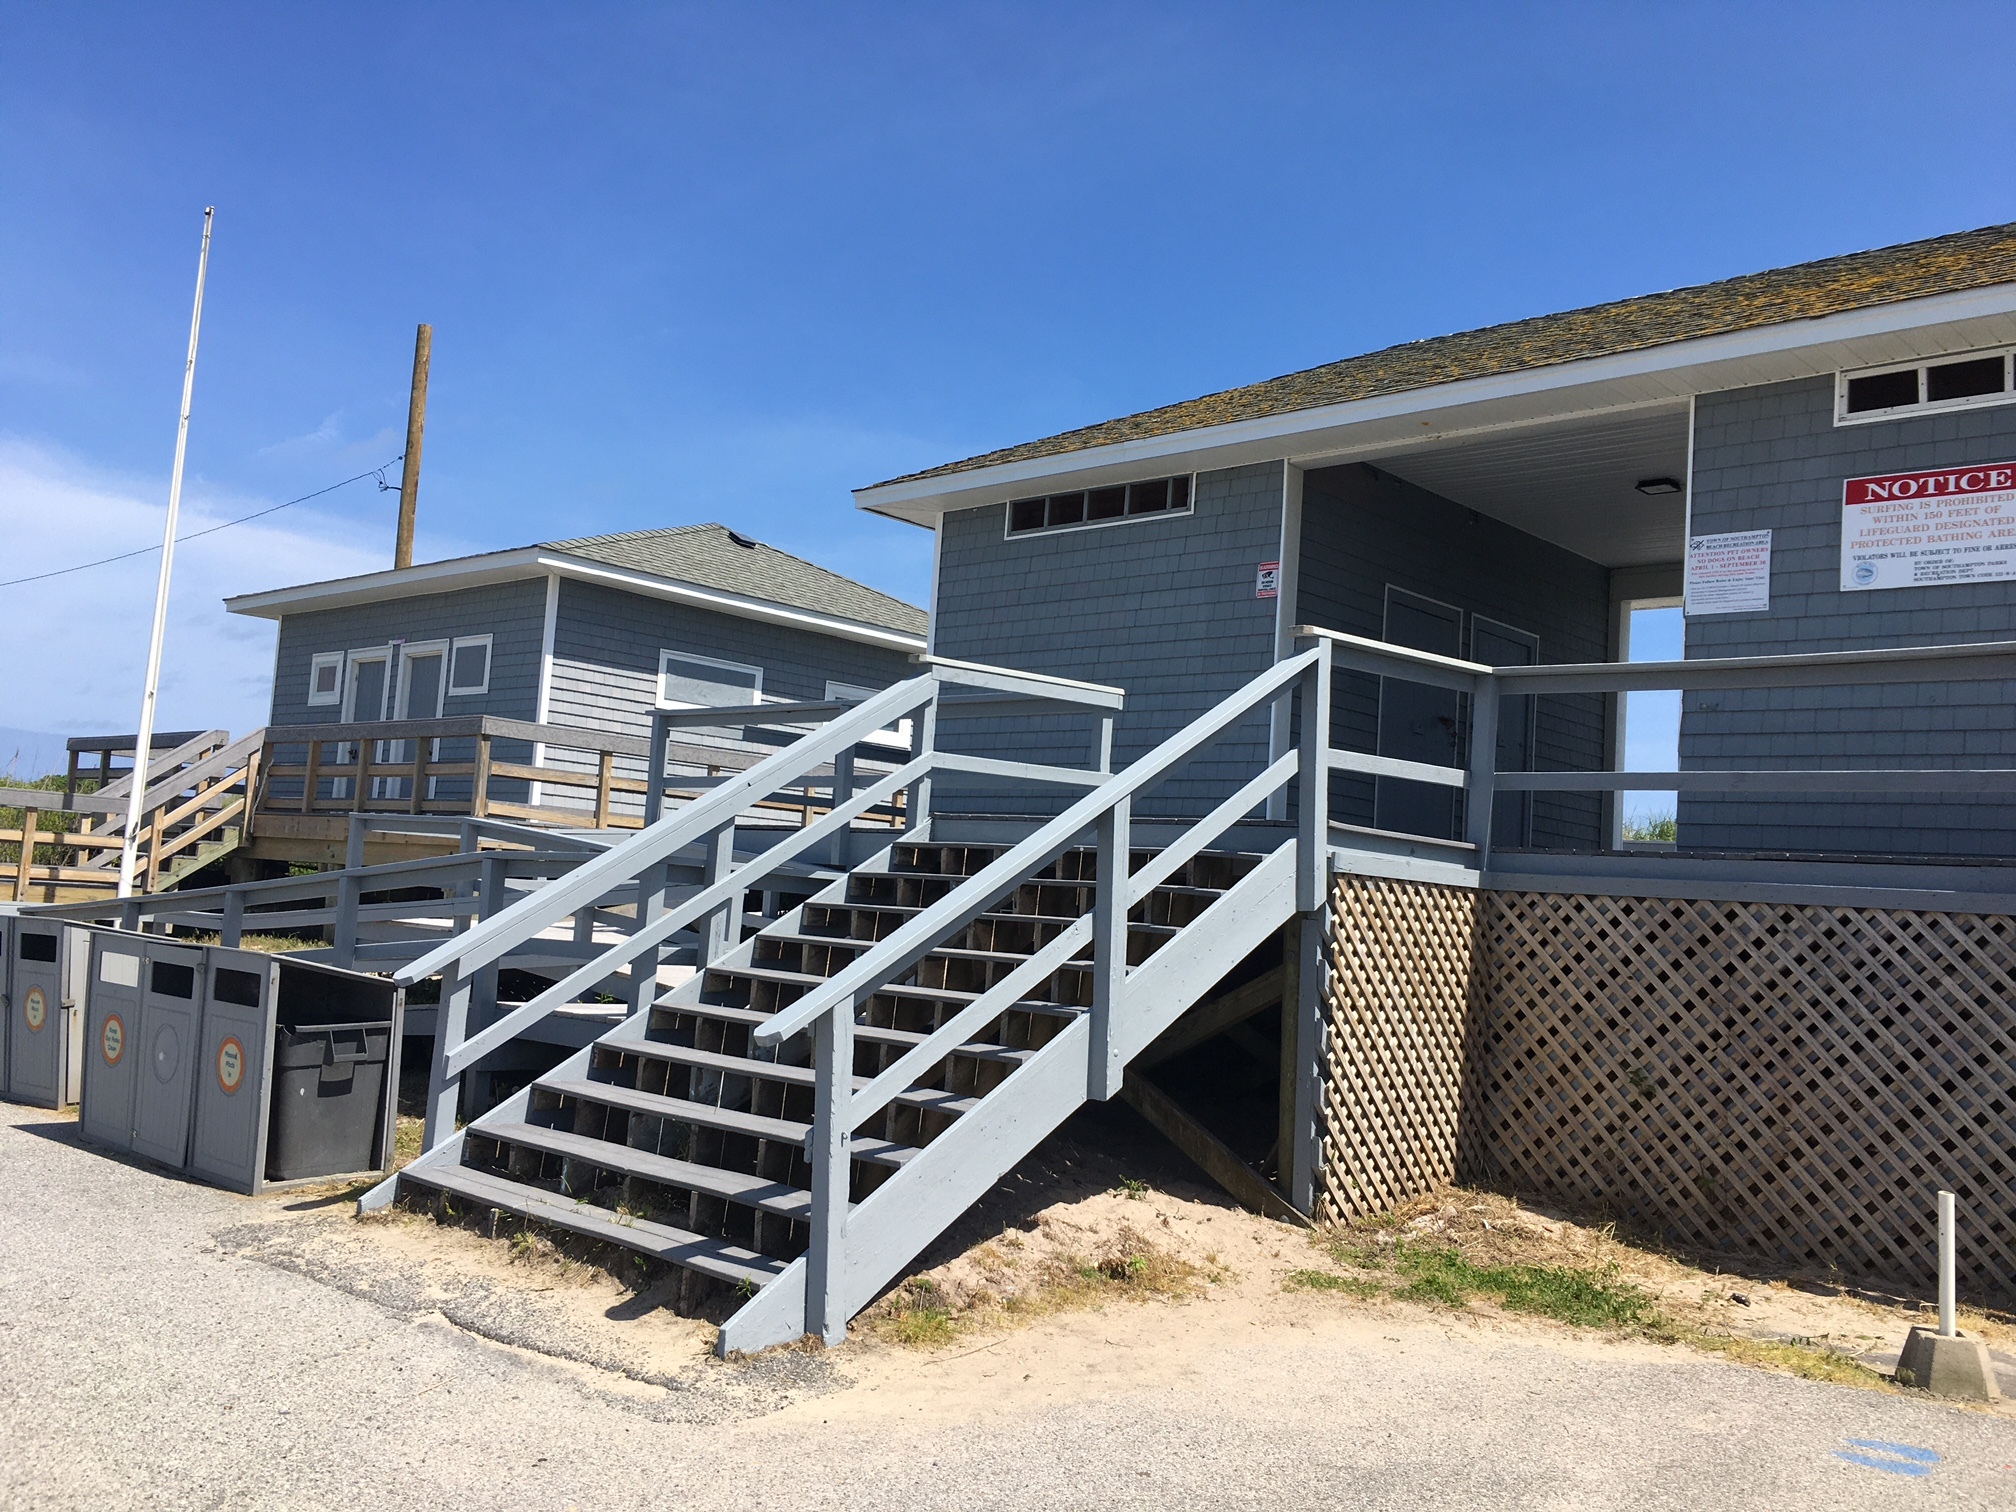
<point>1399,985</point>
<point>1791,1081</point>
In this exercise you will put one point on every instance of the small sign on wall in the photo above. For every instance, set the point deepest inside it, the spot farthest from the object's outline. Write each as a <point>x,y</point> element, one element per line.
<point>1267,583</point>
<point>1729,574</point>
<point>1911,530</point>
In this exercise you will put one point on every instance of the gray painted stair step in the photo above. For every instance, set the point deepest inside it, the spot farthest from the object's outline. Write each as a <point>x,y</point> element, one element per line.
<point>797,1076</point>
<point>729,1120</point>
<point>941,952</point>
<point>759,1192</point>
<point>891,989</point>
<point>996,917</point>
<point>710,1257</point>
<point>872,1034</point>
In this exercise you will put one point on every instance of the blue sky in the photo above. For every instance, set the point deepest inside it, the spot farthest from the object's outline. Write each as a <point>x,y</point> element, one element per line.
<point>726,263</point>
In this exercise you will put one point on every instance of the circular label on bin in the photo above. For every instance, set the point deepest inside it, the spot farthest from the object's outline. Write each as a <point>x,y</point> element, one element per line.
<point>230,1065</point>
<point>112,1039</point>
<point>167,1053</point>
<point>35,1008</point>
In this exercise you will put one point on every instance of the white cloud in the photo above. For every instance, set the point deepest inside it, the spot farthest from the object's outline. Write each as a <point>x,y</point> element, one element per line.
<point>73,649</point>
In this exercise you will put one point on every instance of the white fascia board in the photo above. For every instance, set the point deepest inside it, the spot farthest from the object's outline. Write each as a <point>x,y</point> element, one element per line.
<point>645,585</point>
<point>532,562</point>
<point>403,582</point>
<point>1662,375</point>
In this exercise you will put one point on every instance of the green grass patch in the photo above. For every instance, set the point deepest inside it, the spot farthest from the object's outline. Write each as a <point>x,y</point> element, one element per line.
<point>1584,1298</point>
<point>1315,1280</point>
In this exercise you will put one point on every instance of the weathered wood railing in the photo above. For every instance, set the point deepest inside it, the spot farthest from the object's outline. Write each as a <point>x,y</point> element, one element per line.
<point>196,789</point>
<point>487,766</point>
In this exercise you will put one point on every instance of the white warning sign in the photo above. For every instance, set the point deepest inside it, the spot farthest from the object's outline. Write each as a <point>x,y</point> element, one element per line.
<point>1911,530</point>
<point>1729,574</point>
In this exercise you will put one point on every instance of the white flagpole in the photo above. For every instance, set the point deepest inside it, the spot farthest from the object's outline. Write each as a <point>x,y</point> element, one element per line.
<point>144,741</point>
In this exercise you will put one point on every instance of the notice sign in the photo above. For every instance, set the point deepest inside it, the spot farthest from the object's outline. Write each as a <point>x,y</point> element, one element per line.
<point>1267,582</point>
<point>1905,530</point>
<point>1729,574</point>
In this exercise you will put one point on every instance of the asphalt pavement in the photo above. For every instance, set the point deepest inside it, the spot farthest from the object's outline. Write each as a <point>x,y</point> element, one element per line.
<point>160,1347</point>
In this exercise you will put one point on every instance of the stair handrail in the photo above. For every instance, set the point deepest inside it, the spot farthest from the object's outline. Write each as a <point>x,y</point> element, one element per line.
<point>910,943</point>
<point>622,864</point>
<point>828,1010</point>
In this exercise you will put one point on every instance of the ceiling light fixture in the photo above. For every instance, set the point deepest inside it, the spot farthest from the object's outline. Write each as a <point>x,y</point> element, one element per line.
<point>1658,485</point>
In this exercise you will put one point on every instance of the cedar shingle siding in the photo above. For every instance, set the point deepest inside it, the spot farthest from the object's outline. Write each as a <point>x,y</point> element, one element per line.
<point>1162,606</point>
<point>1772,458</point>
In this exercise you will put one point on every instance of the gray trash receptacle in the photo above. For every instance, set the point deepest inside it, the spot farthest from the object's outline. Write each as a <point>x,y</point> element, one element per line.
<point>328,1092</point>
<point>111,1030</point>
<point>44,1040</point>
<point>227,1146</point>
<point>164,1082</point>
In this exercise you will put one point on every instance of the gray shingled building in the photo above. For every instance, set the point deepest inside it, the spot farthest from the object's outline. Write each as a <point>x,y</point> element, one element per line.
<point>592,633</point>
<point>1763,446</point>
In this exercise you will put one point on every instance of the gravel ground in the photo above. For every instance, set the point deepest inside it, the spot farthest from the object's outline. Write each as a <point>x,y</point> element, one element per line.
<point>165,1345</point>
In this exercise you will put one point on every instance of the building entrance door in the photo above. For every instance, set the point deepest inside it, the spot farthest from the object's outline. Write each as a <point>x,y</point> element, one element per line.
<point>1417,722</point>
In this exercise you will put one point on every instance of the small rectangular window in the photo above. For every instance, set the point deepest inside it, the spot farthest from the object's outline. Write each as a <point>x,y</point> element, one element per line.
<point>325,678</point>
<point>1963,380</point>
<point>37,947</point>
<point>171,979</point>
<point>1149,498</point>
<point>1882,391</point>
<point>240,987</point>
<point>469,665</point>
<point>1106,503</point>
<point>1894,393</point>
<point>1099,506</point>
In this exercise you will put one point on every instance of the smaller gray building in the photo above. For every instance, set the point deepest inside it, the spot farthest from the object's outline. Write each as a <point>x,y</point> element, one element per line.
<point>592,633</point>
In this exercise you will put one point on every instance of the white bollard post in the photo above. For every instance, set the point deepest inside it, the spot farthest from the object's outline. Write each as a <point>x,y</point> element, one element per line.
<point>1948,1292</point>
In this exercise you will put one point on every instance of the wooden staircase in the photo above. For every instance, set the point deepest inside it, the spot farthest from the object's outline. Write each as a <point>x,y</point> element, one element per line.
<point>680,1137</point>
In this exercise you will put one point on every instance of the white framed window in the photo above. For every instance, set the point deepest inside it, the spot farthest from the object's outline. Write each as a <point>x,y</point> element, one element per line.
<point>1925,387</point>
<point>468,666</point>
<point>325,678</point>
<point>1089,508</point>
<point>687,680</point>
<point>852,692</point>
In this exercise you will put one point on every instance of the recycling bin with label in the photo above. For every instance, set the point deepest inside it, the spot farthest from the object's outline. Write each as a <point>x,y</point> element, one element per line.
<point>42,1044</point>
<point>238,1066</point>
<point>300,1071</point>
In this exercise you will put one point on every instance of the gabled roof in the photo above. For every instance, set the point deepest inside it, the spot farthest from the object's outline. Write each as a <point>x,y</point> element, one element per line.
<point>1831,286</point>
<point>708,566</point>
<point>713,556</point>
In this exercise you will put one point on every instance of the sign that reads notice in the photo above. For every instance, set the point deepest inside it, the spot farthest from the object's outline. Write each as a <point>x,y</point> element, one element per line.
<point>1908,530</point>
<point>1729,574</point>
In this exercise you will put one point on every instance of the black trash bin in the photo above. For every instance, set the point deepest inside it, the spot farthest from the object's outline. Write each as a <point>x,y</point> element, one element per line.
<point>328,1096</point>
<point>334,1060</point>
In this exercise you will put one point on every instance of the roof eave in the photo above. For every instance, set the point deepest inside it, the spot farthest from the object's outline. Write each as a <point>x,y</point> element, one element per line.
<point>530,562</point>
<point>1666,373</point>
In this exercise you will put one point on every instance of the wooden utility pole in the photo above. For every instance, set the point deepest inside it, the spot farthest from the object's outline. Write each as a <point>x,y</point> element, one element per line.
<point>416,423</point>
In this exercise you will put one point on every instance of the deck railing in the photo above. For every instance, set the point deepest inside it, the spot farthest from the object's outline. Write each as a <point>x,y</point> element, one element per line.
<point>1480,779</point>
<point>487,766</point>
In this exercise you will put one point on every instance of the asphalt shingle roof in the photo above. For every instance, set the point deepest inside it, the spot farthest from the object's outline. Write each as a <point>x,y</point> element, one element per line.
<point>710,556</point>
<point>1912,270</point>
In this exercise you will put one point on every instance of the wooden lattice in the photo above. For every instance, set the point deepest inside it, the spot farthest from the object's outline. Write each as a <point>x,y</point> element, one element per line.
<point>1788,1080</point>
<point>1398,995</point>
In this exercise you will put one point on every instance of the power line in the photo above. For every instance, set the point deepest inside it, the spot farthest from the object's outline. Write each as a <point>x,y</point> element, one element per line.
<point>376,472</point>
